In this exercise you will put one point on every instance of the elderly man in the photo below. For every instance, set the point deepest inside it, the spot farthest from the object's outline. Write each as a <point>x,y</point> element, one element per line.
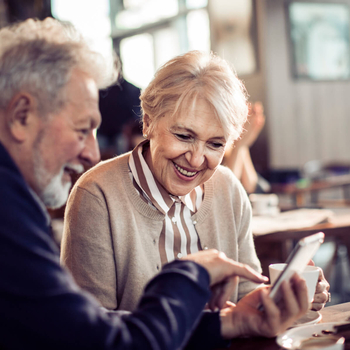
<point>49,82</point>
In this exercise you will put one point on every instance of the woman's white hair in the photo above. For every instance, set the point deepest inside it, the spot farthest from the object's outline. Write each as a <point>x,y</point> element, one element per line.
<point>39,57</point>
<point>194,75</point>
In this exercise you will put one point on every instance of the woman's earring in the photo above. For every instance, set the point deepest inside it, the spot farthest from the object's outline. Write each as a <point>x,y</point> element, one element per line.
<point>145,136</point>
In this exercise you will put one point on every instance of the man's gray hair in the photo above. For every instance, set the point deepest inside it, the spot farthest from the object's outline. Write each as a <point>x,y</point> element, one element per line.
<point>39,56</point>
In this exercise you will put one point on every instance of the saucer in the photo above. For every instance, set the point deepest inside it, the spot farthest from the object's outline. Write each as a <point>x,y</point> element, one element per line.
<point>292,338</point>
<point>311,317</point>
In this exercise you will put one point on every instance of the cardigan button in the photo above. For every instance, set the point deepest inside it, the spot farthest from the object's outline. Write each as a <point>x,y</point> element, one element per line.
<point>205,247</point>
<point>194,222</point>
<point>179,255</point>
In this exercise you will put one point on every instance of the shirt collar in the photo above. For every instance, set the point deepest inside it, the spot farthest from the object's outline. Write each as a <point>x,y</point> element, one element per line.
<point>153,190</point>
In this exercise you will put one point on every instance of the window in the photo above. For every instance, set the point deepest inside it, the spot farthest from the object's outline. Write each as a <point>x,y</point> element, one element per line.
<point>320,41</point>
<point>90,17</point>
<point>147,33</point>
<point>234,33</point>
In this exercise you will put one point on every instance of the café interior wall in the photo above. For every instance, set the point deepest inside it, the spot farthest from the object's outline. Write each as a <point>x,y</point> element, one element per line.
<point>256,87</point>
<point>306,120</point>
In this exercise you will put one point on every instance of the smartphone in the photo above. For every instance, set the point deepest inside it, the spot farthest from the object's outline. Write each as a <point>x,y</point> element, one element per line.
<point>298,259</point>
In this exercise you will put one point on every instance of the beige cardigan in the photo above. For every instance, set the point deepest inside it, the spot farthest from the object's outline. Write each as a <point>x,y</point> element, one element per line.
<point>110,240</point>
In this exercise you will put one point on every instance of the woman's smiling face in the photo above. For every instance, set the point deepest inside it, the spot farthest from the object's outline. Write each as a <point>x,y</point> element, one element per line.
<point>185,150</point>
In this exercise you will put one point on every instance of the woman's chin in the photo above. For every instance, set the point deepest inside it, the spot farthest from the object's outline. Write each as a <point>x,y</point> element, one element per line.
<point>179,192</point>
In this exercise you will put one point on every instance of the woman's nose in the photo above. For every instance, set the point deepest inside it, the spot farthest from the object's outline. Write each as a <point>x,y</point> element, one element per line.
<point>195,156</point>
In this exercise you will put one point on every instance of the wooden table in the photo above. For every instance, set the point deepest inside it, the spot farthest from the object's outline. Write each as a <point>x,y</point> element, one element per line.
<point>335,313</point>
<point>275,246</point>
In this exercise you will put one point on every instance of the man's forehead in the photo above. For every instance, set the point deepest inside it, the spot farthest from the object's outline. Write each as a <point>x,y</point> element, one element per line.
<point>92,88</point>
<point>82,81</point>
<point>81,101</point>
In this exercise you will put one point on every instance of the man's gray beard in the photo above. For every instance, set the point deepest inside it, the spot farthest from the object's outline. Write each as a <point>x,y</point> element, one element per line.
<point>55,194</point>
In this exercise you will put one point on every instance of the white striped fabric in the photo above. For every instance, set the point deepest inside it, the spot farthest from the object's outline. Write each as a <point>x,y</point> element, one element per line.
<point>178,236</point>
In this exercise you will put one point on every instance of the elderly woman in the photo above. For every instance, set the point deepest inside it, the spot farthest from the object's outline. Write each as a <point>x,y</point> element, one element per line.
<point>170,196</point>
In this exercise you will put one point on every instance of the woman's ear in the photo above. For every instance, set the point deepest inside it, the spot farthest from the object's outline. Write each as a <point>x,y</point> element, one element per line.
<point>146,124</point>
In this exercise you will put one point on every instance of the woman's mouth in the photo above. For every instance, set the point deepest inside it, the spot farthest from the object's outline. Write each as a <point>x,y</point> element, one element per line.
<point>185,172</point>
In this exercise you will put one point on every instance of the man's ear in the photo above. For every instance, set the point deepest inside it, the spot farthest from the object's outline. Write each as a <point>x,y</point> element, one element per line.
<point>21,115</point>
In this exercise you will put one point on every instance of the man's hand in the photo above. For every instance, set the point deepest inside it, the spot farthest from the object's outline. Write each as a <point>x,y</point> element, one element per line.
<point>244,319</point>
<point>224,274</point>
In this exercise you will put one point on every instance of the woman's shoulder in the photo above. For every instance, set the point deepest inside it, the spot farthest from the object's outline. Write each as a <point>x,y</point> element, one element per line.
<point>224,181</point>
<point>225,176</point>
<point>106,170</point>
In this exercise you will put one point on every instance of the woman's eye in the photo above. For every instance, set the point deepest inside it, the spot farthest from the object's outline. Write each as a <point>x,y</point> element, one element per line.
<point>217,145</point>
<point>183,137</point>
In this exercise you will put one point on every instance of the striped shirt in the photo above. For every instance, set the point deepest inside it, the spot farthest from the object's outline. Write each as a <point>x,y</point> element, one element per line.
<point>178,237</point>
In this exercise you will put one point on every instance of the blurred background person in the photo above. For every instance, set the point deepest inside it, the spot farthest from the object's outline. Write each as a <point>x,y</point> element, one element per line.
<point>238,157</point>
<point>119,105</point>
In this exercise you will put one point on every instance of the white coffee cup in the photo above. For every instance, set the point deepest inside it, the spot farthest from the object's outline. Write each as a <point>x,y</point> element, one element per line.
<point>310,274</point>
<point>264,204</point>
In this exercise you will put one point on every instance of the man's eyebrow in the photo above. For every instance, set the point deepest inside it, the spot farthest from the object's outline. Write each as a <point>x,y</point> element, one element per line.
<point>87,122</point>
<point>95,124</point>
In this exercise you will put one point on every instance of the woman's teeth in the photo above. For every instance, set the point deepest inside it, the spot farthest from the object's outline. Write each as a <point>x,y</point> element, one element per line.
<point>185,172</point>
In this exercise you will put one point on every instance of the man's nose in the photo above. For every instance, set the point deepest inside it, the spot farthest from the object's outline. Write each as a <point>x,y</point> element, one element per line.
<point>91,152</point>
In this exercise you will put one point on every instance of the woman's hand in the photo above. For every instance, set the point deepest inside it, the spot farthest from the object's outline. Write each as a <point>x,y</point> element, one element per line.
<point>253,125</point>
<point>244,319</point>
<point>322,295</point>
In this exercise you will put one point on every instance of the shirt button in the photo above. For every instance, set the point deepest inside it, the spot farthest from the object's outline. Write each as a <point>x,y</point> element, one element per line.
<point>157,267</point>
<point>173,220</point>
<point>154,241</point>
<point>194,222</point>
<point>205,247</point>
<point>179,255</point>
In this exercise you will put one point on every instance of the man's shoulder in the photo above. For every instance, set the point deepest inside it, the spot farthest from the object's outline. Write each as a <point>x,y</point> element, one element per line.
<point>12,183</point>
<point>19,211</point>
